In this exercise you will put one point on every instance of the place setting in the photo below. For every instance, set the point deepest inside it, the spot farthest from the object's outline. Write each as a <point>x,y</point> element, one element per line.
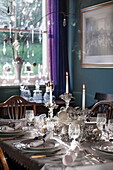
<point>12,130</point>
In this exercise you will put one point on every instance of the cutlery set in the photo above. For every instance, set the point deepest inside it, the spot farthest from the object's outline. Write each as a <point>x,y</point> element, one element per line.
<point>93,157</point>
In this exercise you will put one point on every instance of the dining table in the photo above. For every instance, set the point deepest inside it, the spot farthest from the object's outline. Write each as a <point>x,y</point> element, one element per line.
<point>89,157</point>
<point>54,162</point>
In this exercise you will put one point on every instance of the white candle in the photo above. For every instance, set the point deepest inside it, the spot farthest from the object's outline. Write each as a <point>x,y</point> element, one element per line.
<point>32,35</point>
<point>4,48</point>
<point>83,96</point>
<point>67,87</point>
<point>10,29</point>
<point>50,93</point>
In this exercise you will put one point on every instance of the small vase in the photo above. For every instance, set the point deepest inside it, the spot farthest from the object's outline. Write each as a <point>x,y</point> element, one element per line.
<point>18,69</point>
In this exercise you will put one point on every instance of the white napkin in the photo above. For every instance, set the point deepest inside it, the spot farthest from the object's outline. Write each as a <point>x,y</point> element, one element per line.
<point>7,128</point>
<point>40,142</point>
<point>15,126</point>
<point>71,155</point>
<point>36,143</point>
<point>18,125</point>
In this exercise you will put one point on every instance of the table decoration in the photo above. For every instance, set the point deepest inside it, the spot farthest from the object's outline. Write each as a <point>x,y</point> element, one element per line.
<point>88,130</point>
<point>51,107</point>
<point>67,98</point>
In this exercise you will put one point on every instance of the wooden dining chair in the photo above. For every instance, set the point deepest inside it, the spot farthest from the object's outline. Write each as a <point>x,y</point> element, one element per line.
<point>103,96</point>
<point>17,106</point>
<point>3,161</point>
<point>103,107</point>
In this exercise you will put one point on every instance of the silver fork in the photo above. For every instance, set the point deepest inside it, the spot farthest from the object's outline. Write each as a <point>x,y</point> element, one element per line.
<point>94,157</point>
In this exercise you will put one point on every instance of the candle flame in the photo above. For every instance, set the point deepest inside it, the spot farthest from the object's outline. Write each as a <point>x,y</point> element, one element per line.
<point>66,73</point>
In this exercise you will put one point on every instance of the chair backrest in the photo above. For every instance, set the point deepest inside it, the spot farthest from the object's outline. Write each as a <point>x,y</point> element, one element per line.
<point>103,107</point>
<point>103,96</point>
<point>3,160</point>
<point>17,106</point>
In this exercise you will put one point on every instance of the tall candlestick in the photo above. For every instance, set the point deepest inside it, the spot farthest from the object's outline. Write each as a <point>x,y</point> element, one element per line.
<point>83,96</point>
<point>67,87</point>
<point>50,93</point>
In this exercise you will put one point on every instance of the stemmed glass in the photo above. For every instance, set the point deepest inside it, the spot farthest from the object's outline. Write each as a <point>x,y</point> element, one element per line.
<point>110,128</point>
<point>74,131</point>
<point>29,117</point>
<point>101,120</point>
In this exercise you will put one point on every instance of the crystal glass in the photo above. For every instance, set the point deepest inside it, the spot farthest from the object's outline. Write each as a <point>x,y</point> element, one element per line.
<point>50,125</point>
<point>74,131</point>
<point>29,117</point>
<point>110,128</point>
<point>41,121</point>
<point>101,120</point>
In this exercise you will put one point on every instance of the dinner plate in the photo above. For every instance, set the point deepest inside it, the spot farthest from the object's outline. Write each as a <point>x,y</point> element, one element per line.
<point>106,147</point>
<point>49,146</point>
<point>11,133</point>
<point>45,151</point>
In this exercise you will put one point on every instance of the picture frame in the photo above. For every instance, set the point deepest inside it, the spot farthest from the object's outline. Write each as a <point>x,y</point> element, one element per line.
<point>97,36</point>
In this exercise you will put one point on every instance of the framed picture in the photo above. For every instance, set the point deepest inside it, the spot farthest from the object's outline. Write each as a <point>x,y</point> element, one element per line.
<point>97,36</point>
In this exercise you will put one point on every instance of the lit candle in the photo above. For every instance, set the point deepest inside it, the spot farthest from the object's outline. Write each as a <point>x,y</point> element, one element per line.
<point>83,96</point>
<point>67,87</point>
<point>50,93</point>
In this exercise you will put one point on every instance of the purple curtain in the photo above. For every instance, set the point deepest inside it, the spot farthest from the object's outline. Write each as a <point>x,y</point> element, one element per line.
<point>57,45</point>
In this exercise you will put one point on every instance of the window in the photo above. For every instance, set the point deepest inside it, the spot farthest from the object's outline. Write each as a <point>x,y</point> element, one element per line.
<point>23,42</point>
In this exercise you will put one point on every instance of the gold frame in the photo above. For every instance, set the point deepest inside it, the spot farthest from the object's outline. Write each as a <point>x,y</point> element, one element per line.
<point>97,36</point>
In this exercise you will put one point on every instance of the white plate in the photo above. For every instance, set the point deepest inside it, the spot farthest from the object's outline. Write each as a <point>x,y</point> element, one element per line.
<point>11,133</point>
<point>48,146</point>
<point>47,150</point>
<point>106,147</point>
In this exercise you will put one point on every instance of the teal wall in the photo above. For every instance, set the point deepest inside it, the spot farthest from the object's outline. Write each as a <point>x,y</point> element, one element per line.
<point>96,79</point>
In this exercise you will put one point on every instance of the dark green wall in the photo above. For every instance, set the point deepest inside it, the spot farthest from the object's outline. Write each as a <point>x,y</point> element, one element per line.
<point>6,92</point>
<point>96,79</point>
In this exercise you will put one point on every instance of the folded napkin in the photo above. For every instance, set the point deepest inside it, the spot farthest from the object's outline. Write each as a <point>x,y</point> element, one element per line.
<point>12,127</point>
<point>18,125</point>
<point>39,142</point>
<point>71,155</point>
<point>7,128</point>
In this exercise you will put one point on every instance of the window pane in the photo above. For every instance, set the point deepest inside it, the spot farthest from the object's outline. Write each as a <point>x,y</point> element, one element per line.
<point>21,23</point>
<point>26,13</point>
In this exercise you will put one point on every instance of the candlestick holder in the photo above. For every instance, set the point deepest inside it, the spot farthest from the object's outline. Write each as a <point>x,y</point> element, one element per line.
<point>51,107</point>
<point>66,97</point>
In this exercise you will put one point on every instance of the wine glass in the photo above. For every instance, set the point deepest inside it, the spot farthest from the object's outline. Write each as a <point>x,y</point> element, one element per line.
<point>74,131</point>
<point>50,125</point>
<point>110,128</point>
<point>101,120</point>
<point>29,117</point>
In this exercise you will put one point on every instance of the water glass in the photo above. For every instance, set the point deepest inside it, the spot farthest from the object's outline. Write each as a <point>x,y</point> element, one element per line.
<point>36,122</point>
<point>29,115</point>
<point>110,128</point>
<point>50,125</point>
<point>101,120</point>
<point>74,131</point>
